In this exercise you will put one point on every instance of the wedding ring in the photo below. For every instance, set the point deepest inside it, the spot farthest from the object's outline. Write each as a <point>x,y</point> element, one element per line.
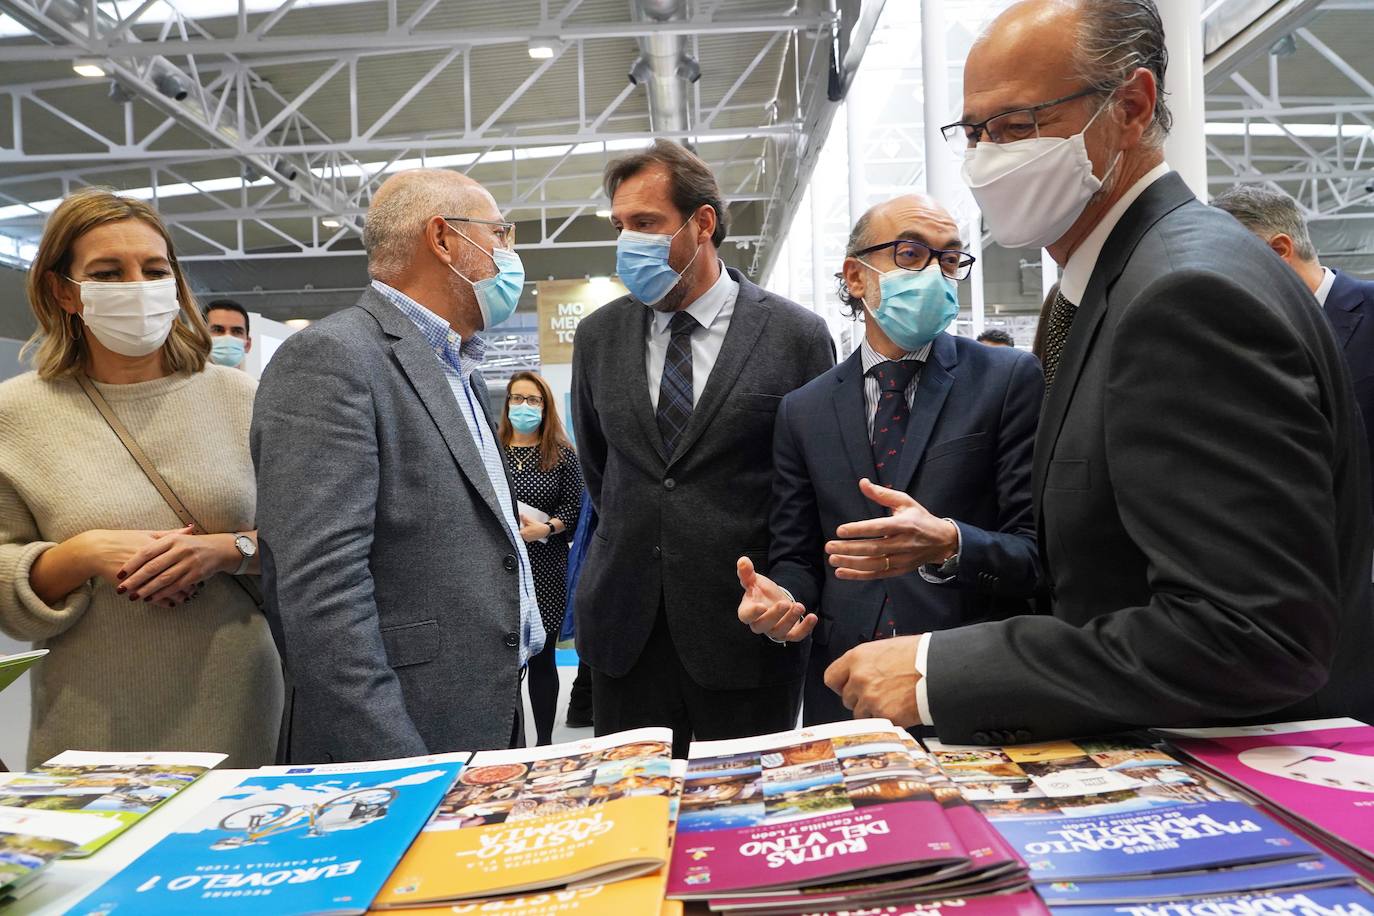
<point>887,564</point>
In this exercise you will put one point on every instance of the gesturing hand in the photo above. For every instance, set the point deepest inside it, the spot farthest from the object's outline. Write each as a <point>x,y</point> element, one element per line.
<point>895,545</point>
<point>878,680</point>
<point>766,608</point>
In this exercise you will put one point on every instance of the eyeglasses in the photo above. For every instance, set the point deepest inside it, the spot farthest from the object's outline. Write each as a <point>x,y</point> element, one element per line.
<point>533,400</point>
<point>910,254</point>
<point>504,231</point>
<point>1007,127</point>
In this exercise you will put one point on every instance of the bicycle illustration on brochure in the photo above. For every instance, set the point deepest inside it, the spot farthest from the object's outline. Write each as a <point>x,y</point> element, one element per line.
<point>255,824</point>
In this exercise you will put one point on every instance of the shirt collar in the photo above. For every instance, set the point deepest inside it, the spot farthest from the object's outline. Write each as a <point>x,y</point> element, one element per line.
<point>1074,283</point>
<point>1328,280</point>
<point>872,357</point>
<point>708,306</point>
<point>463,355</point>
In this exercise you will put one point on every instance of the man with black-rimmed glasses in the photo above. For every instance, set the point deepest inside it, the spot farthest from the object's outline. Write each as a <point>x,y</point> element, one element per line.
<point>915,450</point>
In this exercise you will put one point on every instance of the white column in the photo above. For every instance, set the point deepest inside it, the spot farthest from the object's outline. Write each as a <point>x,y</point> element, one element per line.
<point>818,284</point>
<point>942,174</point>
<point>856,132</point>
<point>1049,273</point>
<point>975,279</point>
<point>1186,148</point>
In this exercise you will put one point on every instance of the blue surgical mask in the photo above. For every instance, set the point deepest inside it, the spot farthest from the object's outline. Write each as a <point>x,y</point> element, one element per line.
<point>226,351</point>
<point>497,296</point>
<point>641,260</point>
<point>917,305</point>
<point>524,418</point>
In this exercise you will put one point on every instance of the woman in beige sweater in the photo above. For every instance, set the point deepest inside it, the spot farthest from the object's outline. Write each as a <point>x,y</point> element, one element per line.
<point>154,645</point>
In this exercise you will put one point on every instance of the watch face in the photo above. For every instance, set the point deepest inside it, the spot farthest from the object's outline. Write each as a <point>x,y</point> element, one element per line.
<point>245,545</point>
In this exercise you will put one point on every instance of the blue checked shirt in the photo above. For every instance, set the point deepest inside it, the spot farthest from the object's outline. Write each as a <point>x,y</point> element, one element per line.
<point>458,358</point>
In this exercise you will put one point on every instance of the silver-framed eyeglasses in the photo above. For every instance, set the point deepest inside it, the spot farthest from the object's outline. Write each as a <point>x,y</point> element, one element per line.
<point>909,254</point>
<point>504,231</point>
<point>1007,127</point>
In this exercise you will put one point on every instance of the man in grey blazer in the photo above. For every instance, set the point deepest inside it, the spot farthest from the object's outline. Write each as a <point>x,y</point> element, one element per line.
<point>1200,473</point>
<point>675,390</point>
<point>396,581</point>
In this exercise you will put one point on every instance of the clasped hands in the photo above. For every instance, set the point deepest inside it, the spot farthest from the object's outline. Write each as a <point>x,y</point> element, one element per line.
<point>878,678</point>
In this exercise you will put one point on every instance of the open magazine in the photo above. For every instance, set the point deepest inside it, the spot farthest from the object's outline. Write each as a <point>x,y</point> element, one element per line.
<point>119,788</point>
<point>285,840</point>
<point>588,812</point>
<point>812,806</point>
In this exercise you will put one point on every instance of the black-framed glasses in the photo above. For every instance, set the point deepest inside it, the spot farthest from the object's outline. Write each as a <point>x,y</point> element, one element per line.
<point>1007,127</point>
<point>504,231</point>
<point>910,254</point>
<point>533,400</point>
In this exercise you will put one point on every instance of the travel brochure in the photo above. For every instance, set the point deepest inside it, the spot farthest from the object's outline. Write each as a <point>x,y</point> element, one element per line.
<point>12,666</point>
<point>1319,772</point>
<point>1111,809</point>
<point>119,788</point>
<point>1348,900</point>
<point>590,812</point>
<point>1303,874</point>
<point>293,839</point>
<point>807,807</point>
<point>31,840</point>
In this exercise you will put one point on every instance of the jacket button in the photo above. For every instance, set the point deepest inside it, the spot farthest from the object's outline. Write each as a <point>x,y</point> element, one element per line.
<point>669,484</point>
<point>658,553</point>
<point>513,640</point>
<point>982,738</point>
<point>510,562</point>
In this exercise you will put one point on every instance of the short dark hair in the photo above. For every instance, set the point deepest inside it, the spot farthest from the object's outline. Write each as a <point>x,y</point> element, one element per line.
<point>232,306</point>
<point>1114,38</point>
<point>997,336</point>
<point>692,184</point>
<point>1267,212</point>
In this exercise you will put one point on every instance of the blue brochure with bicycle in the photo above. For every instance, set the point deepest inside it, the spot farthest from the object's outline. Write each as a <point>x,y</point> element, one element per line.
<point>286,840</point>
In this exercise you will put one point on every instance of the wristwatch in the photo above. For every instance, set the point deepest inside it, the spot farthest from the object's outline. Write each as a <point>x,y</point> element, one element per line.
<point>552,529</point>
<point>247,548</point>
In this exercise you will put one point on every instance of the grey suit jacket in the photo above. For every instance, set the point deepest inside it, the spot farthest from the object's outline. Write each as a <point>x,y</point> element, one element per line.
<point>670,531</point>
<point>390,581</point>
<point>1203,500</point>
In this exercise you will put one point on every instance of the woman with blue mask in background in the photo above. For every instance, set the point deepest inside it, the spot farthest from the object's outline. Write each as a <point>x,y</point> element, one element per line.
<point>548,484</point>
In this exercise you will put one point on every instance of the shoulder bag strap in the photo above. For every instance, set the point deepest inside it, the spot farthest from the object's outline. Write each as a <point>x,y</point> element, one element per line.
<point>146,466</point>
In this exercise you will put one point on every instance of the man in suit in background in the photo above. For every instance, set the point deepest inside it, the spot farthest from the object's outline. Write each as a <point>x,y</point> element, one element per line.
<point>1201,481</point>
<point>675,388</point>
<point>932,430</point>
<point>1347,300</point>
<point>397,584</point>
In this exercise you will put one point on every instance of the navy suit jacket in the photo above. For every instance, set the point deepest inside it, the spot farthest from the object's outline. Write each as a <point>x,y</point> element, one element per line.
<point>1348,304</point>
<point>967,457</point>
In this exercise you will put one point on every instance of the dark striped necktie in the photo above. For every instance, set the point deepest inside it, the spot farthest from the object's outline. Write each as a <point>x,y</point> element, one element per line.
<point>1056,335</point>
<point>675,389</point>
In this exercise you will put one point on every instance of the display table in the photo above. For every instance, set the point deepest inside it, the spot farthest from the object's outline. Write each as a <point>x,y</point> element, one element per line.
<point>68,881</point>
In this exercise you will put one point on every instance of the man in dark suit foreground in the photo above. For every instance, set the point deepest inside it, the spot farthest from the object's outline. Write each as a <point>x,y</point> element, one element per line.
<point>675,388</point>
<point>1347,300</point>
<point>954,499</point>
<point>1201,483</point>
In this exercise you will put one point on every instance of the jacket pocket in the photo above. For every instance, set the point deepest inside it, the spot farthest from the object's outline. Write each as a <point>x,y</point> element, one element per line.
<point>954,446</point>
<point>764,403</point>
<point>1068,475</point>
<point>411,643</point>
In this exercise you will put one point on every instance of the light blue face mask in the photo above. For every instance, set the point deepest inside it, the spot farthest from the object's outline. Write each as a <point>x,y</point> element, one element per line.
<point>227,351</point>
<point>917,305</point>
<point>641,260</point>
<point>497,296</point>
<point>524,418</point>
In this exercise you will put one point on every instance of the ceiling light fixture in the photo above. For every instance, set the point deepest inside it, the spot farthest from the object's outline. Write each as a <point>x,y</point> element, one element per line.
<point>88,68</point>
<point>604,213</point>
<point>330,223</point>
<point>543,48</point>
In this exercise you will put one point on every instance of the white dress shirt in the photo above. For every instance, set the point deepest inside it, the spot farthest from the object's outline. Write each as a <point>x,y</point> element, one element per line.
<point>1073,284</point>
<point>1328,280</point>
<point>713,310</point>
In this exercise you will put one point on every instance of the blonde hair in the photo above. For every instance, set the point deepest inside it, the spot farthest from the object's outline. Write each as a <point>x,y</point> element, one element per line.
<point>57,347</point>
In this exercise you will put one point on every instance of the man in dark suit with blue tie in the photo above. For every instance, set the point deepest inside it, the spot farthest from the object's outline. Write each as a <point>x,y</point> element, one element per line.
<point>1347,300</point>
<point>930,432</point>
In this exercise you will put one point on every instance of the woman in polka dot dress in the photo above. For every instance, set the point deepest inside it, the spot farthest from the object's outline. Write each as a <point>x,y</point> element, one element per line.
<point>547,478</point>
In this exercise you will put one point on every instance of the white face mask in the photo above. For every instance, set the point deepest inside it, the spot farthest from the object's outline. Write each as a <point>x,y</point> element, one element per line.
<point>132,319</point>
<point>1032,191</point>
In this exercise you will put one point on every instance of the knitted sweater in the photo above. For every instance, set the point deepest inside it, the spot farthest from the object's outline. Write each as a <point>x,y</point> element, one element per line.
<point>121,675</point>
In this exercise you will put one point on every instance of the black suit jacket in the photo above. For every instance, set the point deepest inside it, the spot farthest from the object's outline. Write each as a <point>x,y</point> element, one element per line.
<point>1349,303</point>
<point>967,457</point>
<point>1203,505</point>
<point>671,531</point>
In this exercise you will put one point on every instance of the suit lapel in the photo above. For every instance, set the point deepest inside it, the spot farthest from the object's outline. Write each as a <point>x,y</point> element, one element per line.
<point>931,391</point>
<point>746,325</point>
<point>851,413</point>
<point>421,367</point>
<point>1159,199</point>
